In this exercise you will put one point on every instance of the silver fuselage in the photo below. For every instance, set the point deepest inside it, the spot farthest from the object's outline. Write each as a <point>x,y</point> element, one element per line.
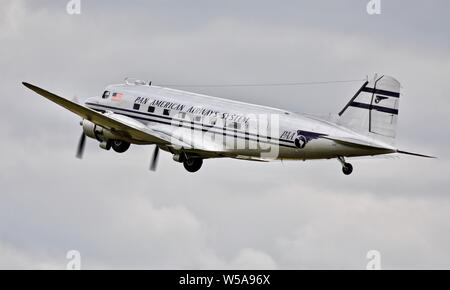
<point>250,129</point>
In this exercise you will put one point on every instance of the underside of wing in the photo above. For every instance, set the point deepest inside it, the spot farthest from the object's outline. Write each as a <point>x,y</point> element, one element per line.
<point>203,144</point>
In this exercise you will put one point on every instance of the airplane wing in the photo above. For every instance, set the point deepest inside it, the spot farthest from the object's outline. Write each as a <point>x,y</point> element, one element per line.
<point>135,130</point>
<point>128,128</point>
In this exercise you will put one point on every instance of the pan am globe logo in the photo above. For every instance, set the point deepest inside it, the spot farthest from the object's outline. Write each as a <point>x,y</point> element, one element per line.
<point>304,137</point>
<point>300,140</point>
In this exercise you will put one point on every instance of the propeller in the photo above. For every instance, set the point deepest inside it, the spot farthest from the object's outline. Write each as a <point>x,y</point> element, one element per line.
<point>154,161</point>
<point>81,143</point>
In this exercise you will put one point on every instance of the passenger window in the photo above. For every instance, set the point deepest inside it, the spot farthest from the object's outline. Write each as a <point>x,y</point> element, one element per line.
<point>151,109</point>
<point>231,124</point>
<point>136,106</point>
<point>166,112</point>
<point>106,95</point>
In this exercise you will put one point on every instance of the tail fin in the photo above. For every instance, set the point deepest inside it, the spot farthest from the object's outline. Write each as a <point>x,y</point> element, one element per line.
<point>373,110</point>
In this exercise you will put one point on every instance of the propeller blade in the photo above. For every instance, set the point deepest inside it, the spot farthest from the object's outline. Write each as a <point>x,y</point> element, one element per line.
<point>154,162</point>
<point>81,143</point>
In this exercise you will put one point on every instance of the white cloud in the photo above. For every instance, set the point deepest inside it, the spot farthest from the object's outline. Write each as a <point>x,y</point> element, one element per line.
<point>16,259</point>
<point>251,259</point>
<point>12,14</point>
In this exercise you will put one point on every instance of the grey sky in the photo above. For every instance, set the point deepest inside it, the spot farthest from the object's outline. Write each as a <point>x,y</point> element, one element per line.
<point>232,213</point>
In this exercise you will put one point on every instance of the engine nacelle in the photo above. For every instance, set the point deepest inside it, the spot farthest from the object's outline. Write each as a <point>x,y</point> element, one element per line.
<point>96,132</point>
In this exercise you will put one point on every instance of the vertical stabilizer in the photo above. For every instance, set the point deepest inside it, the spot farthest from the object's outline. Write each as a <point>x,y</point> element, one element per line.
<point>373,110</point>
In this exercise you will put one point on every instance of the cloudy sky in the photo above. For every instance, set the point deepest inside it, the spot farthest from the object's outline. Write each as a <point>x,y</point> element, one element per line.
<point>231,214</point>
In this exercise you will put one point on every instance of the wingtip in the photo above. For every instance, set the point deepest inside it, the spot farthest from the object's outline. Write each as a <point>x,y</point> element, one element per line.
<point>28,85</point>
<point>32,87</point>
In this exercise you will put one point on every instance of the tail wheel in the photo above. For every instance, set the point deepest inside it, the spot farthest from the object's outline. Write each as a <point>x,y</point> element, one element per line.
<point>193,164</point>
<point>347,169</point>
<point>120,146</point>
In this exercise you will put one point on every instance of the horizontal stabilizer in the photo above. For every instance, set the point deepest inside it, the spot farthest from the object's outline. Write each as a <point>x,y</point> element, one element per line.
<point>414,154</point>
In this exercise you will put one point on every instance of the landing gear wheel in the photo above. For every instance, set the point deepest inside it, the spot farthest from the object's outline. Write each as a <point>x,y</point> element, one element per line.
<point>193,164</point>
<point>347,168</point>
<point>120,146</point>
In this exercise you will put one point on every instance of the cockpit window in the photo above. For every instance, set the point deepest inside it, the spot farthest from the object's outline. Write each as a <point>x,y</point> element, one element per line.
<point>106,95</point>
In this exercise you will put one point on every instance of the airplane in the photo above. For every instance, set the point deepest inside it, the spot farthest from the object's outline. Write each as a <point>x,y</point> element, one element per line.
<point>195,127</point>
